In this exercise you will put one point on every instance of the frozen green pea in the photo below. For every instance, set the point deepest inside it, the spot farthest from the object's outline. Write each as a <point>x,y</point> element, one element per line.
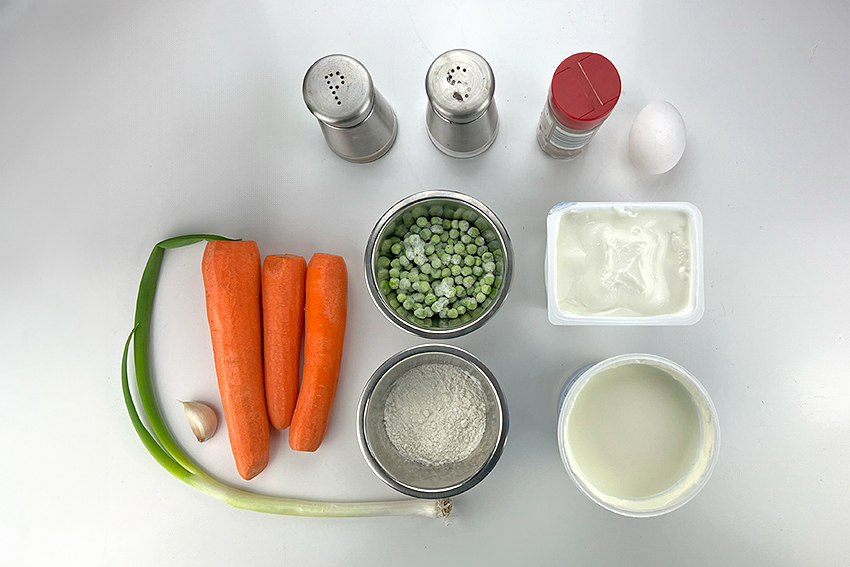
<point>404,261</point>
<point>471,248</point>
<point>459,280</point>
<point>421,222</point>
<point>466,271</point>
<point>413,276</point>
<point>482,249</point>
<point>463,226</point>
<point>455,270</point>
<point>456,259</point>
<point>468,282</point>
<point>383,262</point>
<point>479,241</point>
<point>393,283</point>
<point>445,272</point>
<point>407,218</point>
<point>469,261</point>
<point>480,297</point>
<point>401,296</point>
<point>473,232</point>
<point>429,249</point>
<point>451,293</point>
<point>454,234</point>
<point>394,273</point>
<point>489,267</point>
<point>465,238</point>
<point>460,291</point>
<point>478,261</point>
<point>415,229</point>
<point>425,268</point>
<point>384,286</point>
<point>460,309</point>
<point>452,313</point>
<point>487,256</point>
<point>416,285</point>
<point>395,263</point>
<point>436,263</point>
<point>447,224</point>
<point>444,237</point>
<point>488,279</point>
<point>419,313</point>
<point>436,229</point>
<point>430,299</point>
<point>486,289</point>
<point>408,304</point>
<point>425,287</point>
<point>383,274</point>
<point>425,234</point>
<point>418,297</point>
<point>394,303</point>
<point>386,246</point>
<point>477,271</point>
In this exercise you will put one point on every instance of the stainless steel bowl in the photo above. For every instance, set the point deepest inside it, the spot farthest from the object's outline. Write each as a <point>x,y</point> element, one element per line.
<point>392,219</point>
<point>412,478</point>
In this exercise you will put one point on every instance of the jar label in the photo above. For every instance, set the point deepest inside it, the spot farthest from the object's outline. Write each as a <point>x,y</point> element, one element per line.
<point>569,140</point>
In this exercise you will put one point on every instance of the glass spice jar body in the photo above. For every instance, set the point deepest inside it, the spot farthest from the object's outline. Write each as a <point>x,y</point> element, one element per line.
<point>584,90</point>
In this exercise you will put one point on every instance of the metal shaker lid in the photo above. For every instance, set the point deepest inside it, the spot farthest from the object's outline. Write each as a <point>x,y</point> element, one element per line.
<point>338,90</point>
<point>460,85</point>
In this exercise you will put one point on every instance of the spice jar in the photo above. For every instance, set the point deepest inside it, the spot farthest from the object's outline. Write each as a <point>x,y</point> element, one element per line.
<point>584,90</point>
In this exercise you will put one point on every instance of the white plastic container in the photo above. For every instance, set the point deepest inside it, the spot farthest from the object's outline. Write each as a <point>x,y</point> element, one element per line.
<point>677,493</point>
<point>695,307</point>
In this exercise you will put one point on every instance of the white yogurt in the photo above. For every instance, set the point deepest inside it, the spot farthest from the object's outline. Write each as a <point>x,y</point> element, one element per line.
<point>616,262</point>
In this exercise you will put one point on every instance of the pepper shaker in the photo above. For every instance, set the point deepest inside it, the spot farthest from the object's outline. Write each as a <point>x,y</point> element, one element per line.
<point>359,125</point>
<point>461,117</point>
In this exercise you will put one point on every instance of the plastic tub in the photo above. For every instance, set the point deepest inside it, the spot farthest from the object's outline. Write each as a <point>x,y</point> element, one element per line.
<point>688,316</point>
<point>704,457</point>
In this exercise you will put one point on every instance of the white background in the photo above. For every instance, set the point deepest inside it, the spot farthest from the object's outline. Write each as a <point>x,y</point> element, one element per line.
<point>126,122</point>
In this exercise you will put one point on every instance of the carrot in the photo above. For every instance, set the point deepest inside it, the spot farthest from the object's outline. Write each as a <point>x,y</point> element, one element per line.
<point>324,330</point>
<point>232,283</point>
<point>283,324</point>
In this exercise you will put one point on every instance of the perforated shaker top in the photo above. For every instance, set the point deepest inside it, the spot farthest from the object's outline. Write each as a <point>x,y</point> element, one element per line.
<point>338,90</point>
<point>460,85</point>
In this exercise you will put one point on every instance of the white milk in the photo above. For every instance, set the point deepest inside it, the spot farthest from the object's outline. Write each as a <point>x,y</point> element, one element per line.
<point>634,431</point>
<point>639,434</point>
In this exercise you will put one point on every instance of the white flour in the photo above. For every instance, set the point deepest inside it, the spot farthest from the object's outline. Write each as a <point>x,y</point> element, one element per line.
<point>435,414</point>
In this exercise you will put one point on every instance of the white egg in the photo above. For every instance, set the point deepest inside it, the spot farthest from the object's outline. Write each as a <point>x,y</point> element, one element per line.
<point>657,138</point>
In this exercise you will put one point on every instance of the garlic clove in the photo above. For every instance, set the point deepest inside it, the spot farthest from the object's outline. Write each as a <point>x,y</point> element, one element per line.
<point>202,419</point>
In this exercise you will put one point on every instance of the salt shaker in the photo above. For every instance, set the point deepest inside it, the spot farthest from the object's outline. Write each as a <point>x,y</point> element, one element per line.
<point>584,90</point>
<point>359,125</point>
<point>461,116</point>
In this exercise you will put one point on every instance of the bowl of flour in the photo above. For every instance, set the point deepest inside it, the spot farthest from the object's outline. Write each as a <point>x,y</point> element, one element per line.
<point>432,421</point>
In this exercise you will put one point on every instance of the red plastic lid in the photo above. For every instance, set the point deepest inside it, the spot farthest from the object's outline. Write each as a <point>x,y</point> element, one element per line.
<point>585,89</point>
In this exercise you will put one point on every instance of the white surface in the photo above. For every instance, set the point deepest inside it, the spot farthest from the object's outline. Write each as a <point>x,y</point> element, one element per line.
<point>122,123</point>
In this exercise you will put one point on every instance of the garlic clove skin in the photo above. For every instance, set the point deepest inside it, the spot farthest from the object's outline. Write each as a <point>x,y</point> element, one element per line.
<point>202,419</point>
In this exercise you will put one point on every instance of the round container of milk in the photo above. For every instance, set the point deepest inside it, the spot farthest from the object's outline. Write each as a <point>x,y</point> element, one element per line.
<point>638,434</point>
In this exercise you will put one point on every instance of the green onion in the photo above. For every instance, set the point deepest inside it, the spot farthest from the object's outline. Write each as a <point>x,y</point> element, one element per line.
<point>164,449</point>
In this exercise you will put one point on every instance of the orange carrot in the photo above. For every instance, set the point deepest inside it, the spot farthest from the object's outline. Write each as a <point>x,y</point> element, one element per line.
<point>283,324</point>
<point>324,330</point>
<point>232,282</point>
